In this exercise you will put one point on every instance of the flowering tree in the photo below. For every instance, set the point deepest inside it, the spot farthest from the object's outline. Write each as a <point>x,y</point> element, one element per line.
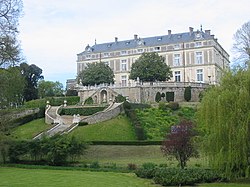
<point>179,143</point>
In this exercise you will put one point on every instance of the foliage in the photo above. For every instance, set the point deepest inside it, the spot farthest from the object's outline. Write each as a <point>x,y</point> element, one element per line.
<point>126,142</point>
<point>242,44</point>
<point>49,89</point>
<point>70,92</point>
<point>55,150</point>
<point>116,129</point>
<point>140,134</point>
<point>180,177</point>
<point>12,86</point>
<point>82,123</point>
<point>156,123</point>
<point>89,101</point>
<point>187,113</point>
<point>224,118</point>
<point>150,67</point>
<point>169,96</point>
<point>84,111</point>
<point>187,93</point>
<point>132,166</point>
<point>32,75</point>
<point>173,105</point>
<point>162,106</point>
<point>10,12</point>
<point>119,98</point>
<point>158,97</point>
<point>179,143</point>
<point>96,73</point>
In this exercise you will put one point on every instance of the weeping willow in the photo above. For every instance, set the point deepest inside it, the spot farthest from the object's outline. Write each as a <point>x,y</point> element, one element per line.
<point>224,119</point>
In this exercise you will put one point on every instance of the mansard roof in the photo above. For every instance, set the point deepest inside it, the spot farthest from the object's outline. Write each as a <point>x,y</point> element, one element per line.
<point>147,42</point>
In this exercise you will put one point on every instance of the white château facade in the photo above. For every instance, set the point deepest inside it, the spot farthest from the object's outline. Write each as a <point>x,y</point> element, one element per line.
<point>194,56</point>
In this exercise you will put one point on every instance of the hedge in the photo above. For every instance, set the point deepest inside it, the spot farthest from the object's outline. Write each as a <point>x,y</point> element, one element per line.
<point>86,111</point>
<point>177,177</point>
<point>126,142</point>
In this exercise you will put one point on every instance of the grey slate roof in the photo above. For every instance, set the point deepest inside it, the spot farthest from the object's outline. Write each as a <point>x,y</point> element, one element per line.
<point>147,42</point>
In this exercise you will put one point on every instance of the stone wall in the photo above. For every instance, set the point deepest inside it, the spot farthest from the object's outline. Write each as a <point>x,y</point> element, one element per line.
<point>146,94</point>
<point>114,111</point>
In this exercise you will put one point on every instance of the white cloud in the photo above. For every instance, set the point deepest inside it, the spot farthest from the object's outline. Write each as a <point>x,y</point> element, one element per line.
<point>53,32</point>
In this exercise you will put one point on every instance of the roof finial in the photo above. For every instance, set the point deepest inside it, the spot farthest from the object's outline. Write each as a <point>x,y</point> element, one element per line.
<point>201,27</point>
<point>95,41</point>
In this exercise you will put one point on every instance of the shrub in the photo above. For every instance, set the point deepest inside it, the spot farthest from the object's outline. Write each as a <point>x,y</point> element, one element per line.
<point>119,98</point>
<point>176,177</point>
<point>86,111</point>
<point>71,93</point>
<point>169,96</point>
<point>57,101</point>
<point>162,106</point>
<point>158,97</point>
<point>149,165</point>
<point>173,105</point>
<point>132,166</point>
<point>94,165</point>
<point>187,93</point>
<point>89,101</point>
<point>82,123</point>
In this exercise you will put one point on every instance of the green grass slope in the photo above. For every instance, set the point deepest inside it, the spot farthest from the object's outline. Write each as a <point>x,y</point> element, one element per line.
<point>29,130</point>
<point>116,129</point>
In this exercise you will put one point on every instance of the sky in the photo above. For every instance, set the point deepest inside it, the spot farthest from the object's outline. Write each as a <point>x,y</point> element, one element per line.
<point>53,32</point>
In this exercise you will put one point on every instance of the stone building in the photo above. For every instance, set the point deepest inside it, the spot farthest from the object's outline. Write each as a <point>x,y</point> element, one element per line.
<point>195,57</point>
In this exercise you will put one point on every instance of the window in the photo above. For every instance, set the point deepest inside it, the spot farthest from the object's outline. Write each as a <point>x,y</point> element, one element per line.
<point>159,39</point>
<point>198,57</point>
<point>177,76</point>
<point>198,44</point>
<point>124,80</point>
<point>157,49</point>
<point>106,63</point>
<point>88,56</point>
<point>177,59</point>
<point>124,65</point>
<point>199,75</point>
<point>123,52</point>
<point>139,50</point>
<point>177,46</point>
<point>106,54</point>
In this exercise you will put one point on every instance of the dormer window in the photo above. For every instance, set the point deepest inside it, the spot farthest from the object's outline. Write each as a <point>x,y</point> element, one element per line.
<point>159,39</point>
<point>109,45</point>
<point>127,43</point>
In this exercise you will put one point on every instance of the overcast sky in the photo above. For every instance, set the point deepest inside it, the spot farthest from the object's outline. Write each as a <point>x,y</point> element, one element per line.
<point>52,32</point>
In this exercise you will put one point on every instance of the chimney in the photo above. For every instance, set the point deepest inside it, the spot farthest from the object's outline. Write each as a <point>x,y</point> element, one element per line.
<point>136,37</point>
<point>207,32</point>
<point>191,30</point>
<point>169,32</point>
<point>116,39</point>
<point>212,35</point>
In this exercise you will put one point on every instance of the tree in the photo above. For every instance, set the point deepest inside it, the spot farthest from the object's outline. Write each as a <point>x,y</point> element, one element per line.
<point>179,143</point>
<point>12,85</point>
<point>96,73</point>
<point>242,43</point>
<point>32,75</point>
<point>187,93</point>
<point>49,89</point>
<point>150,67</point>
<point>224,120</point>
<point>157,97</point>
<point>10,11</point>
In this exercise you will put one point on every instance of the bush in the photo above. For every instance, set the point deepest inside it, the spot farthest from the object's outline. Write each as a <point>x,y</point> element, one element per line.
<point>119,98</point>
<point>169,96</point>
<point>94,165</point>
<point>82,123</point>
<point>187,93</point>
<point>71,93</point>
<point>89,101</point>
<point>86,111</point>
<point>158,97</point>
<point>35,103</point>
<point>57,101</point>
<point>132,166</point>
<point>176,177</point>
<point>173,105</point>
<point>162,106</point>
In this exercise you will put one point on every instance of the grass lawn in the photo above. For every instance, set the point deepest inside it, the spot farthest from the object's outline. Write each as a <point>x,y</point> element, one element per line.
<point>115,129</point>
<point>29,130</point>
<point>43,177</point>
<point>224,185</point>
<point>122,155</point>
